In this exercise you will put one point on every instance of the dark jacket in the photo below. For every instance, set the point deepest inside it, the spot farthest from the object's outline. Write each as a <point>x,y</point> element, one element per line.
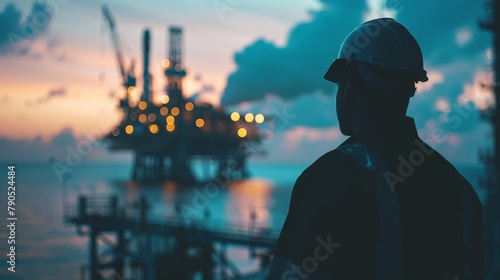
<point>332,228</point>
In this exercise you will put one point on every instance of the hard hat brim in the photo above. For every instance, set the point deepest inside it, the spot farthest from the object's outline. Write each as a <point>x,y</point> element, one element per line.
<point>339,66</point>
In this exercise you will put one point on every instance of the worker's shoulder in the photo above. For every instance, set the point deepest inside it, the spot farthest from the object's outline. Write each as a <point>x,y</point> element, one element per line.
<point>332,164</point>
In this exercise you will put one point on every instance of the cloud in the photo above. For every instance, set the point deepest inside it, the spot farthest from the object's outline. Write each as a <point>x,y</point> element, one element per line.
<point>53,93</point>
<point>479,92</point>
<point>64,138</point>
<point>10,21</point>
<point>36,149</point>
<point>297,67</point>
<point>442,105</point>
<point>56,92</point>
<point>379,8</point>
<point>16,34</point>
<point>437,32</point>
<point>301,134</point>
<point>435,77</point>
<point>463,36</point>
<point>64,143</point>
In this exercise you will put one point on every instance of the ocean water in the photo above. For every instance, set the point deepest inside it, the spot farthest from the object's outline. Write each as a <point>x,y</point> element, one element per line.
<point>47,248</point>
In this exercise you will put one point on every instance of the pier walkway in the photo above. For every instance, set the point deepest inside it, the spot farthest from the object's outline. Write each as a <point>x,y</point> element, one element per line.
<point>139,246</point>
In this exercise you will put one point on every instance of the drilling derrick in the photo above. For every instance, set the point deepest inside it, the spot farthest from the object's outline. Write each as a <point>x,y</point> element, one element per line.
<point>146,95</point>
<point>167,136</point>
<point>174,73</point>
<point>174,70</point>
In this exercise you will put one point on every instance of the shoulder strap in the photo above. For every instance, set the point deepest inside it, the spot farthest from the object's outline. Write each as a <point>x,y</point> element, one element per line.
<point>389,249</point>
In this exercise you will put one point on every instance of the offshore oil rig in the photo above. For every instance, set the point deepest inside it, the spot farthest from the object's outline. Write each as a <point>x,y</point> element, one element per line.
<point>166,136</point>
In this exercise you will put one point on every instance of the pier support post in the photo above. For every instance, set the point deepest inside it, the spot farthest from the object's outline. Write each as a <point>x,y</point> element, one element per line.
<point>114,206</point>
<point>93,254</point>
<point>143,205</point>
<point>207,261</point>
<point>120,253</point>
<point>82,206</point>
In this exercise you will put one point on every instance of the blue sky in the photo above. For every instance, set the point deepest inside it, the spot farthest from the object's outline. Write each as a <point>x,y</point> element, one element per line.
<point>256,56</point>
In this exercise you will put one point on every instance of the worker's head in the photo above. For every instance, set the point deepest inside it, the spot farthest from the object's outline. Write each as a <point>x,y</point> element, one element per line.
<point>376,71</point>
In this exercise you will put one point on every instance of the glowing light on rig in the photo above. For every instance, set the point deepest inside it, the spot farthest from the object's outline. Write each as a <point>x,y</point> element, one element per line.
<point>143,105</point>
<point>166,63</point>
<point>170,127</point>
<point>129,129</point>
<point>242,132</point>
<point>153,128</point>
<point>142,118</point>
<point>249,117</point>
<point>189,106</point>
<point>115,132</point>
<point>259,118</point>
<point>131,90</point>
<point>170,120</point>
<point>235,116</point>
<point>152,117</point>
<point>164,111</point>
<point>164,99</point>
<point>175,111</point>
<point>200,123</point>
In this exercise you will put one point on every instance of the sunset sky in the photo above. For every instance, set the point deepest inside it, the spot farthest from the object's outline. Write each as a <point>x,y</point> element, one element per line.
<point>59,78</point>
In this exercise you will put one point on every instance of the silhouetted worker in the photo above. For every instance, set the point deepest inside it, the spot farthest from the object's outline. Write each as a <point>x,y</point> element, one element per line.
<point>383,205</point>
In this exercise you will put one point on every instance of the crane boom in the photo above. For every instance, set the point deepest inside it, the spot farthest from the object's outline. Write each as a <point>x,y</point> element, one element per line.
<point>128,78</point>
<point>116,42</point>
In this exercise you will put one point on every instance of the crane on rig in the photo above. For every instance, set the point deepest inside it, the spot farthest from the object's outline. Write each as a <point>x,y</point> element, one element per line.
<point>127,75</point>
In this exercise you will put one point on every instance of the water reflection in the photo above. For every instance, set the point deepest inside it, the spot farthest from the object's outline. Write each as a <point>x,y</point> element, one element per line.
<point>249,200</point>
<point>50,249</point>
